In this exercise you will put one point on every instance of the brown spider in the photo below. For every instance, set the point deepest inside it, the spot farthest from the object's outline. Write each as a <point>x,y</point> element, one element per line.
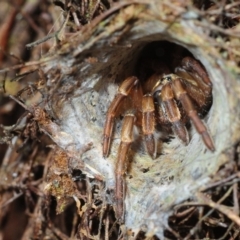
<point>165,99</point>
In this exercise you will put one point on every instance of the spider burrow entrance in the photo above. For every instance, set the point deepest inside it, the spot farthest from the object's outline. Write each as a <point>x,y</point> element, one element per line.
<point>169,90</point>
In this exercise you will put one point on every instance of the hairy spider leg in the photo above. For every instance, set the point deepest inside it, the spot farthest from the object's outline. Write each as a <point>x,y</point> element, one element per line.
<point>181,95</point>
<point>193,90</point>
<point>123,91</point>
<point>198,73</point>
<point>197,83</point>
<point>148,124</point>
<point>172,112</point>
<point>126,140</point>
<point>161,117</point>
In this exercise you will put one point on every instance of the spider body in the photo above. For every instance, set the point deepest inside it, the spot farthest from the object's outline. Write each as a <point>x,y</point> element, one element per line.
<point>165,100</point>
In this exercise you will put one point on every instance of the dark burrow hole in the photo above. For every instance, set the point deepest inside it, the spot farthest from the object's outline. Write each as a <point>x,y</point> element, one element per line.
<point>165,52</point>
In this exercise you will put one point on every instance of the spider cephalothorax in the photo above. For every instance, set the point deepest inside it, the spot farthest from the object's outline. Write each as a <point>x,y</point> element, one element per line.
<point>165,99</point>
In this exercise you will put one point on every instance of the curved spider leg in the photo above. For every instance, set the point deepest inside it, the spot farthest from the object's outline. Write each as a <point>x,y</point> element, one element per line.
<point>199,74</point>
<point>136,96</point>
<point>123,91</point>
<point>181,95</point>
<point>201,101</point>
<point>199,97</point>
<point>161,116</point>
<point>172,112</point>
<point>148,124</point>
<point>126,140</point>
